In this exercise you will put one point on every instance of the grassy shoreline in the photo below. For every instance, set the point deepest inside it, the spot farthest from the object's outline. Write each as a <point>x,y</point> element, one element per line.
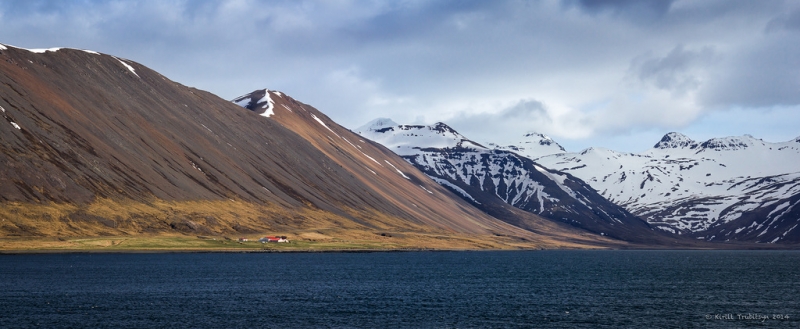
<point>221,244</point>
<point>167,244</point>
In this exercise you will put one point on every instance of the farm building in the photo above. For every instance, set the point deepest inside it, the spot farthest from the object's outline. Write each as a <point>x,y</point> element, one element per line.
<point>279,239</point>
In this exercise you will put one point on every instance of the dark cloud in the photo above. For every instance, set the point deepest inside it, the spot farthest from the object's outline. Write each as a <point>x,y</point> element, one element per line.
<point>401,21</point>
<point>635,10</point>
<point>469,61</point>
<point>763,77</point>
<point>524,116</point>
<point>786,21</point>
<point>674,71</point>
<point>526,109</point>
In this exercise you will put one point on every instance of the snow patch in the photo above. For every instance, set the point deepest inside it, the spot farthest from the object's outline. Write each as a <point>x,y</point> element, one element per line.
<point>270,104</point>
<point>454,187</point>
<point>196,167</point>
<point>789,230</point>
<point>130,68</point>
<point>559,179</point>
<point>323,124</point>
<point>779,208</point>
<point>398,170</point>
<point>243,101</point>
<point>785,212</point>
<point>668,229</point>
<point>42,50</point>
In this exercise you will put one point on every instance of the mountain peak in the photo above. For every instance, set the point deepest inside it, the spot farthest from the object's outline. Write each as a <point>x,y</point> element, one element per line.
<point>406,139</point>
<point>257,100</point>
<point>543,140</point>
<point>533,145</point>
<point>730,143</point>
<point>443,128</point>
<point>674,140</point>
<point>376,124</point>
<point>536,134</point>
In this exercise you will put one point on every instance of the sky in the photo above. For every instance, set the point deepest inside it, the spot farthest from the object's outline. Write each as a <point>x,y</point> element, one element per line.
<point>613,74</point>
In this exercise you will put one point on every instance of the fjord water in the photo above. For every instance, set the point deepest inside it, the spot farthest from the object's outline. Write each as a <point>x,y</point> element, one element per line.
<point>492,289</point>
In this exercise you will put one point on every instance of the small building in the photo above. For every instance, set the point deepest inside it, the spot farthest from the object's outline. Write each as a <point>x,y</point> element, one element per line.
<point>243,240</point>
<point>278,239</point>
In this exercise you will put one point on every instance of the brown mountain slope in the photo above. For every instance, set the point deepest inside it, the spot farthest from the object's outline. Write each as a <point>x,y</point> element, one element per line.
<point>95,145</point>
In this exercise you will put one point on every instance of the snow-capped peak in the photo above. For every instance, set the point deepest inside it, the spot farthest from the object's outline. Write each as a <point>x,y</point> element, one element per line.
<point>258,99</point>
<point>731,143</point>
<point>543,140</point>
<point>444,129</point>
<point>536,134</point>
<point>674,140</point>
<point>533,145</point>
<point>377,124</point>
<point>406,139</point>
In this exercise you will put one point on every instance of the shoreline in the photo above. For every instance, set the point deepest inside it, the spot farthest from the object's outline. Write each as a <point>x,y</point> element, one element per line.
<point>228,251</point>
<point>323,244</point>
<point>4,252</point>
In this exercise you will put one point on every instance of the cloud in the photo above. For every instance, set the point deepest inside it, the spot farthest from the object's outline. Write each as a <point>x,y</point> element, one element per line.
<point>359,91</point>
<point>526,109</point>
<point>577,69</point>
<point>640,11</point>
<point>785,21</point>
<point>763,76</point>
<point>520,117</point>
<point>680,71</point>
<point>643,110</point>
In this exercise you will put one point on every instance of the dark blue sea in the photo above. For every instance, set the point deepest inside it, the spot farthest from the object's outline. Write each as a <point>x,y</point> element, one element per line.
<point>491,289</point>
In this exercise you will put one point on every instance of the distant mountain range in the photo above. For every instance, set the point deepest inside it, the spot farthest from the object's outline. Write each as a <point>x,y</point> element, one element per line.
<point>490,178</point>
<point>734,188</point>
<point>723,189</point>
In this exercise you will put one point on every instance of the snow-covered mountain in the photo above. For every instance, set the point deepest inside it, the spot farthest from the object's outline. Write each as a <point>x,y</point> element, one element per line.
<point>737,188</point>
<point>406,140</point>
<point>486,177</point>
<point>733,188</point>
<point>533,144</point>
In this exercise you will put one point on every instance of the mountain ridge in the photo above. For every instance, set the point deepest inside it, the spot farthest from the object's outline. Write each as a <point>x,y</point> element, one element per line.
<point>96,145</point>
<point>492,177</point>
<point>204,152</point>
<point>703,189</point>
<point>710,190</point>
